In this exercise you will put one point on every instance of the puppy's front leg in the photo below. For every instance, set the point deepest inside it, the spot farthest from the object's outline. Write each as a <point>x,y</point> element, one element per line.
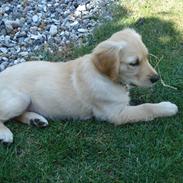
<point>145,112</point>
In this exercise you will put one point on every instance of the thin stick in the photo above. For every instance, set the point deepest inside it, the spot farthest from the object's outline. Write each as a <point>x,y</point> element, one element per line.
<point>163,83</point>
<point>158,59</point>
<point>157,64</point>
<point>153,56</point>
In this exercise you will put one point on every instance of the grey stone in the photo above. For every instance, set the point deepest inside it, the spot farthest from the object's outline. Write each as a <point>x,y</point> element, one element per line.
<point>22,20</point>
<point>67,25</point>
<point>67,42</point>
<point>2,67</point>
<point>38,36</point>
<point>24,54</point>
<point>67,33</point>
<point>5,63</point>
<point>7,8</point>
<point>66,13</point>
<point>7,39</point>
<point>17,49</point>
<point>4,59</point>
<point>2,37</point>
<point>10,25</point>
<point>3,50</point>
<point>53,30</point>
<point>21,60</point>
<point>33,29</point>
<point>21,34</point>
<point>12,63</point>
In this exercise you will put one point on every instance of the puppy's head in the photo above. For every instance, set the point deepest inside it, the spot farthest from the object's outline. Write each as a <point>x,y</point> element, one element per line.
<point>124,58</point>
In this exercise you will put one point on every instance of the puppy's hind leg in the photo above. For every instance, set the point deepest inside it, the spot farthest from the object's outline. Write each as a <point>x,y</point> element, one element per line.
<point>12,104</point>
<point>32,118</point>
<point>6,136</point>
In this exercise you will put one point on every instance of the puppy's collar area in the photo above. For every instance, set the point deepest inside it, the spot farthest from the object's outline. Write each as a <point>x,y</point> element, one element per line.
<point>124,85</point>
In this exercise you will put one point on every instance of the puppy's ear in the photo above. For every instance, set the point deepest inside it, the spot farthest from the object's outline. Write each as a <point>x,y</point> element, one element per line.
<point>106,58</point>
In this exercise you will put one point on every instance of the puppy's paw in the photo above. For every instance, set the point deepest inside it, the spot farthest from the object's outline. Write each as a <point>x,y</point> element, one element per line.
<point>6,136</point>
<point>168,108</point>
<point>41,123</point>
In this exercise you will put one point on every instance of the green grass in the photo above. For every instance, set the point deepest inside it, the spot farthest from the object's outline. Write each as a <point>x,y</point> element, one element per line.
<point>90,151</point>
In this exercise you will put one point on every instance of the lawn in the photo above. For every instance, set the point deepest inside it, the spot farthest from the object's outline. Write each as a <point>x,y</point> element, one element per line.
<point>98,152</point>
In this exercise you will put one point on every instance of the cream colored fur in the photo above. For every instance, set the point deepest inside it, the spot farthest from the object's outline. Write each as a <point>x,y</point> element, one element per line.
<point>95,85</point>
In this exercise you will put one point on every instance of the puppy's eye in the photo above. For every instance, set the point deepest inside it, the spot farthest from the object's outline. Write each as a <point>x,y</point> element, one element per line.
<point>136,63</point>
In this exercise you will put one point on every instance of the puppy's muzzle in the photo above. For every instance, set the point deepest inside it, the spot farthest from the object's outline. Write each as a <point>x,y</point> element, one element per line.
<point>154,78</point>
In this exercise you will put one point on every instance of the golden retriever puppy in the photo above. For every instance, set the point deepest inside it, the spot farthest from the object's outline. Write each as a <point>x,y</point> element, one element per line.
<point>95,85</point>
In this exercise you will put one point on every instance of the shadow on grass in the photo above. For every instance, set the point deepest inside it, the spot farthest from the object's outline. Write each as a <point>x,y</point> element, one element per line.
<point>160,36</point>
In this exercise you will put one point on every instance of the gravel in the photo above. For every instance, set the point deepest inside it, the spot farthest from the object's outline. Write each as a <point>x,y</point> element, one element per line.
<point>27,26</point>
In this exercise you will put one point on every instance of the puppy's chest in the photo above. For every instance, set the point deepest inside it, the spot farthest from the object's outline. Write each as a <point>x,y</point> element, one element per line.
<point>60,108</point>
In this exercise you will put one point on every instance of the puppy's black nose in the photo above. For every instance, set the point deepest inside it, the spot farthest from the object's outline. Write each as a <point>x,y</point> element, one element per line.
<point>154,78</point>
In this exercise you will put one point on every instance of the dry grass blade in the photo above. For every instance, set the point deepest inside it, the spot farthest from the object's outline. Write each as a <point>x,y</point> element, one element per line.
<point>156,66</point>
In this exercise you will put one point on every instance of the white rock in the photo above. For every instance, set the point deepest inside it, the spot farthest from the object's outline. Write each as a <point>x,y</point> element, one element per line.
<point>81,8</point>
<point>19,60</point>
<point>62,33</point>
<point>16,61</point>
<point>71,18</point>
<point>77,13</point>
<point>82,30</point>
<point>24,54</point>
<point>4,59</point>
<point>44,8</point>
<point>43,1</point>
<point>53,30</point>
<point>74,23</point>
<point>33,36</point>
<point>35,18</point>
<point>67,12</point>
<point>7,8</point>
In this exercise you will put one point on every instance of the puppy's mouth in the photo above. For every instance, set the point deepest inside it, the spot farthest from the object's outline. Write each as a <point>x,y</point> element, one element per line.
<point>141,84</point>
<point>133,85</point>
